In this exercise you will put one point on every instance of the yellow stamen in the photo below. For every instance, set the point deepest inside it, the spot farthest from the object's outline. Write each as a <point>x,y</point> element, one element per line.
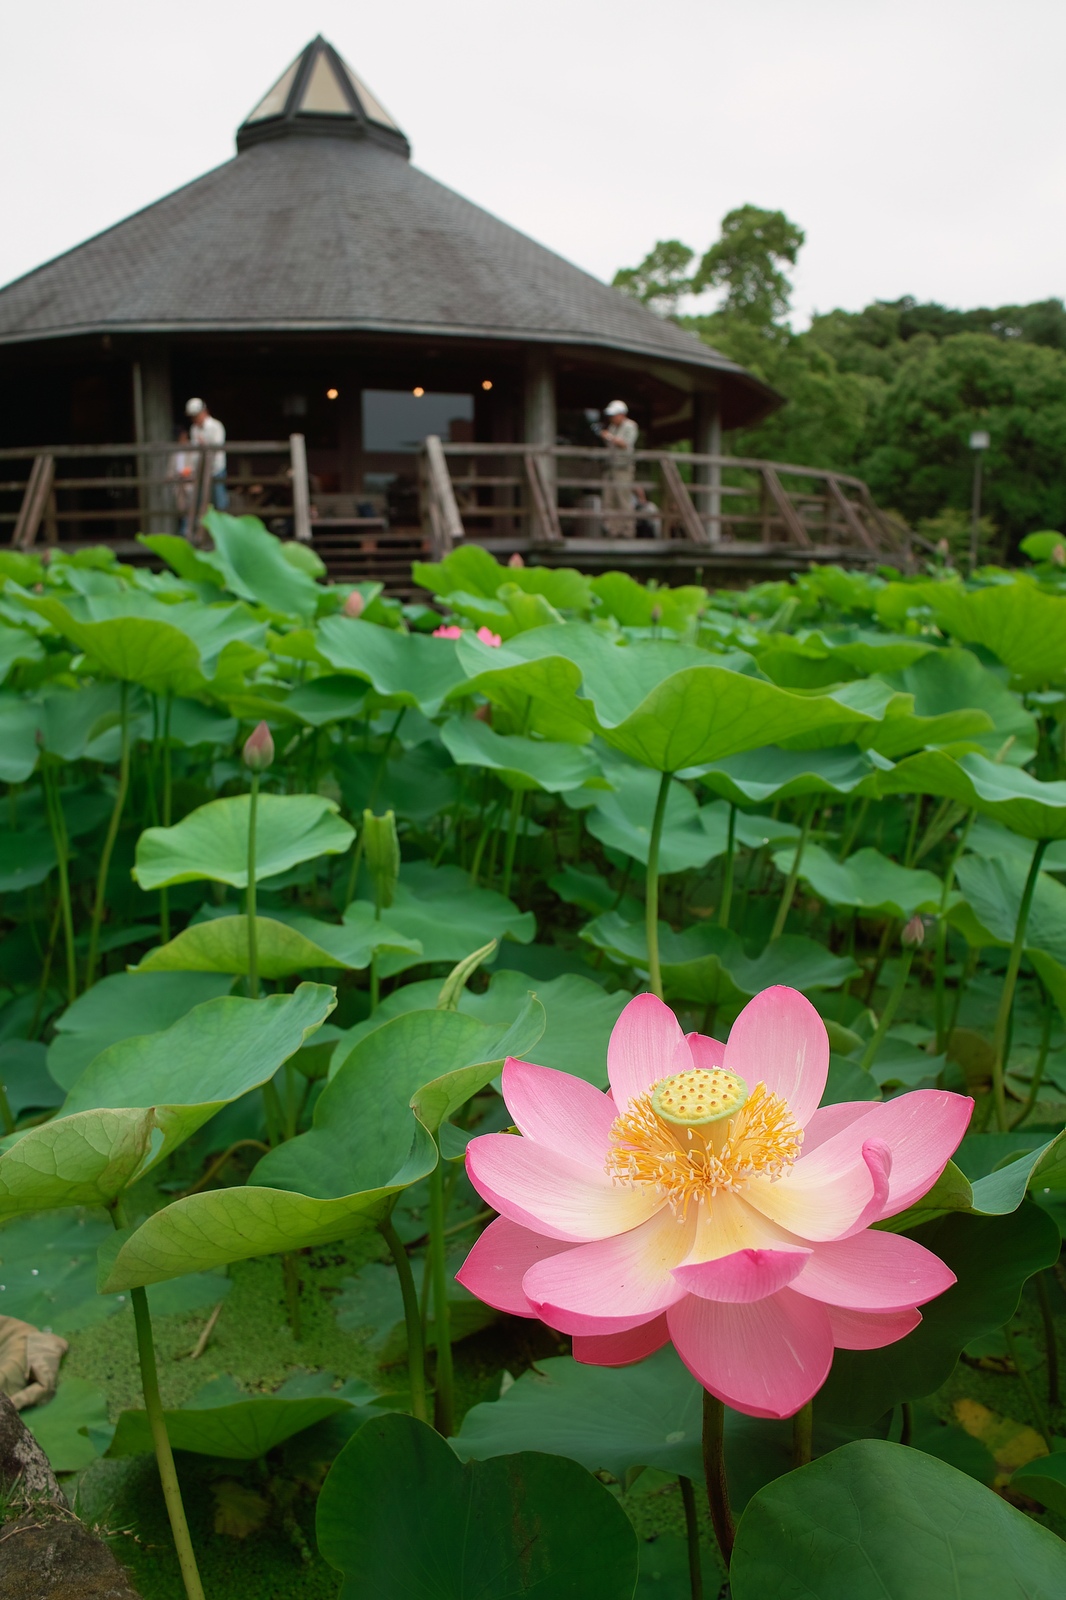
<point>700,1132</point>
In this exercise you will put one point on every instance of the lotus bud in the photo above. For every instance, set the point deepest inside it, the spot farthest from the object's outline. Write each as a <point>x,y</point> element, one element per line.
<point>355,605</point>
<point>483,713</point>
<point>1058,555</point>
<point>914,933</point>
<point>656,615</point>
<point>943,548</point>
<point>515,559</point>
<point>258,753</point>
<point>381,851</point>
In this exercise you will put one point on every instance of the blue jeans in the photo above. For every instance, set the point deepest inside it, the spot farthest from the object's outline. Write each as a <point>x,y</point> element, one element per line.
<point>219,494</point>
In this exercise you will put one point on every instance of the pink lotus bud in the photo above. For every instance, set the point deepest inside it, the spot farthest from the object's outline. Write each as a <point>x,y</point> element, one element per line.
<point>488,637</point>
<point>447,631</point>
<point>943,548</point>
<point>1058,555</point>
<point>515,560</point>
<point>484,713</point>
<point>914,933</point>
<point>355,605</point>
<point>258,753</point>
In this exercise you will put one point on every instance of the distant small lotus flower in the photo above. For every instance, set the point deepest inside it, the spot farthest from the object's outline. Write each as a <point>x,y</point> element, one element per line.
<point>515,559</point>
<point>355,605</point>
<point>483,713</point>
<point>447,631</point>
<point>914,933</point>
<point>707,1201</point>
<point>1058,555</point>
<point>487,636</point>
<point>258,753</point>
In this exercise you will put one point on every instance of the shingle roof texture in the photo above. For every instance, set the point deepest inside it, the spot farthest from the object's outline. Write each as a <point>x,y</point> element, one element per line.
<point>331,233</point>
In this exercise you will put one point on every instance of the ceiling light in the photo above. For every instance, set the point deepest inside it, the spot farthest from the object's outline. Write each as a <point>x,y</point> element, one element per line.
<point>418,393</point>
<point>487,383</point>
<point>331,394</point>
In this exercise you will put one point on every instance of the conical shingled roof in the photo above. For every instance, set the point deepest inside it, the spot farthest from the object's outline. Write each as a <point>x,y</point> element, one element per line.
<point>338,232</point>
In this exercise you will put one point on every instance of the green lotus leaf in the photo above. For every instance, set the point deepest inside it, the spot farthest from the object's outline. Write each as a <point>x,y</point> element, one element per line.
<point>19,722</point>
<point>634,604</point>
<point>949,682</point>
<point>129,637</point>
<point>285,945</point>
<point>521,763</point>
<point>993,888</point>
<point>518,1525</point>
<point>621,819</point>
<point>867,880</point>
<point>26,859</point>
<point>438,908</point>
<point>407,669</point>
<point>181,557</point>
<point>253,565</point>
<point>1018,622</point>
<point>119,1006</point>
<point>62,1427</point>
<point>774,774</point>
<point>331,698</point>
<point>219,1421</point>
<point>874,1519</point>
<point>212,841</point>
<point>1034,809</point>
<point>17,645</point>
<point>1045,1480</point>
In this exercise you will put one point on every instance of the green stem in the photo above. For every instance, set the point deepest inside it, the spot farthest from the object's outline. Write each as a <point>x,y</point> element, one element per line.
<point>1010,980</point>
<point>727,871</point>
<point>1051,1344</point>
<point>512,839</point>
<point>353,873</point>
<point>853,831</point>
<point>793,874</point>
<point>383,763</point>
<point>109,842</point>
<point>655,976</point>
<point>157,1422</point>
<point>1030,1393</point>
<point>416,1358</point>
<point>906,1422</point>
<point>375,983</point>
<point>164,894</point>
<point>444,1409</point>
<point>942,934</point>
<point>869,1055</point>
<point>250,902</point>
<point>692,1535</point>
<point>803,1435</point>
<point>912,835</point>
<point>1041,1061</point>
<point>57,823</point>
<point>714,1471</point>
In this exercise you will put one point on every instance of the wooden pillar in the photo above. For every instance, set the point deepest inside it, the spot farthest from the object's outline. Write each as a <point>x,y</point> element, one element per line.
<point>540,425</point>
<point>153,421</point>
<point>707,441</point>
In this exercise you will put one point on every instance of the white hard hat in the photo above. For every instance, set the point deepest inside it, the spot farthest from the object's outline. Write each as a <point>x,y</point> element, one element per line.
<point>194,407</point>
<point>617,408</point>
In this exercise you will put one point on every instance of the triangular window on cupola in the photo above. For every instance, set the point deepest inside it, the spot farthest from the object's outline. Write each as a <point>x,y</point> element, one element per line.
<point>274,101</point>
<point>324,94</point>
<point>369,102</point>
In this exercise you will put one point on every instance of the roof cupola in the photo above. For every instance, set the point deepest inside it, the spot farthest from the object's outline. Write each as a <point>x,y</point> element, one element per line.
<point>318,93</point>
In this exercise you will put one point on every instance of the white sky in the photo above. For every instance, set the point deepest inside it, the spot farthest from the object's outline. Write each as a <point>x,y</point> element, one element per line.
<point>918,142</point>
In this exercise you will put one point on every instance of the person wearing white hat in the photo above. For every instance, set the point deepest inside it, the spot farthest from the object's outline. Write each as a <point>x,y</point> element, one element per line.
<point>620,437</point>
<point>206,429</point>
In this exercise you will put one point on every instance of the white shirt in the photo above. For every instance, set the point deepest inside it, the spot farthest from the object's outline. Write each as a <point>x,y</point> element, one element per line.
<point>211,431</point>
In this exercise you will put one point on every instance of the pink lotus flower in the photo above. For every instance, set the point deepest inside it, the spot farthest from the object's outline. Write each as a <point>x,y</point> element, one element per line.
<point>487,636</point>
<point>355,605</point>
<point>447,631</point>
<point>707,1200</point>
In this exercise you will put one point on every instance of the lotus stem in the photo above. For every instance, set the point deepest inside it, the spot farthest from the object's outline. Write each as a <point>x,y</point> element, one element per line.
<point>727,871</point>
<point>164,894</point>
<point>655,976</point>
<point>57,823</point>
<point>912,833</point>
<point>250,901</point>
<point>714,1470</point>
<point>1051,1343</point>
<point>906,1422</point>
<point>444,1402</point>
<point>383,763</point>
<point>852,832</point>
<point>891,1006</point>
<point>1010,980</point>
<point>1041,1061</point>
<point>942,933</point>
<point>1030,1393</point>
<point>157,1422</point>
<point>109,841</point>
<point>803,1435</point>
<point>793,874</point>
<point>692,1536</point>
<point>416,1358</point>
<point>512,839</point>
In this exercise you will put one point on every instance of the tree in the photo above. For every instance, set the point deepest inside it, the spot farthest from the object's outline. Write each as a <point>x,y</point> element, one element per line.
<point>662,277</point>
<point>747,262</point>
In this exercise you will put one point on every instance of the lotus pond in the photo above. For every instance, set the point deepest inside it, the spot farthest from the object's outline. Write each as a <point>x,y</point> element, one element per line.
<point>552,1089</point>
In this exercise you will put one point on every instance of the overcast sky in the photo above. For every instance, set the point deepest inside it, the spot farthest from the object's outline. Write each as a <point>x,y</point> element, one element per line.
<point>919,142</point>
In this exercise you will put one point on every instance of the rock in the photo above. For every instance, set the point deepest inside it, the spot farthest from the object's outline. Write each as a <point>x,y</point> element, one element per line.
<point>45,1552</point>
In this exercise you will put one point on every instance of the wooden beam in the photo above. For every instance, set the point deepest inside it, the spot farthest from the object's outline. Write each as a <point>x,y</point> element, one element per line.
<point>448,527</point>
<point>34,501</point>
<point>690,519</point>
<point>301,492</point>
<point>851,517</point>
<point>786,510</point>
<point>545,511</point>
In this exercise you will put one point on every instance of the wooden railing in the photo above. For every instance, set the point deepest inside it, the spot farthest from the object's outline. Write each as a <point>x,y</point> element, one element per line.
<point>569,495</point>
<point>78,492</point>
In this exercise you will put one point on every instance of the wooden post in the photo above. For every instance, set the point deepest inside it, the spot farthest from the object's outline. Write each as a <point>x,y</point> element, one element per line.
<point>444,513</point>
<point>301,493</point>
<point>540,422</point>
<point>34,501</point>
<point>155,423</point>
<point>707,441</point>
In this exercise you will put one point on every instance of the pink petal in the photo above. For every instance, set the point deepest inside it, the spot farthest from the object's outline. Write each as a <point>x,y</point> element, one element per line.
<point>550,1193</point>
<point>728,1223</point>
<point>706,1052</point>
<point>499,1261</point>
<point>628,1277</point>
<point>745,1276</point>
<point>766,1359</point>
<point>557,1110</point>
<point>780,1040</point>
<point>922,1129</point>
<point>641,1048</point>
<point>829,1120</point>
<point>870,1330</point>
<point>621,1349</point>
<point>874,1271</point>
<point>826,1193</point>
